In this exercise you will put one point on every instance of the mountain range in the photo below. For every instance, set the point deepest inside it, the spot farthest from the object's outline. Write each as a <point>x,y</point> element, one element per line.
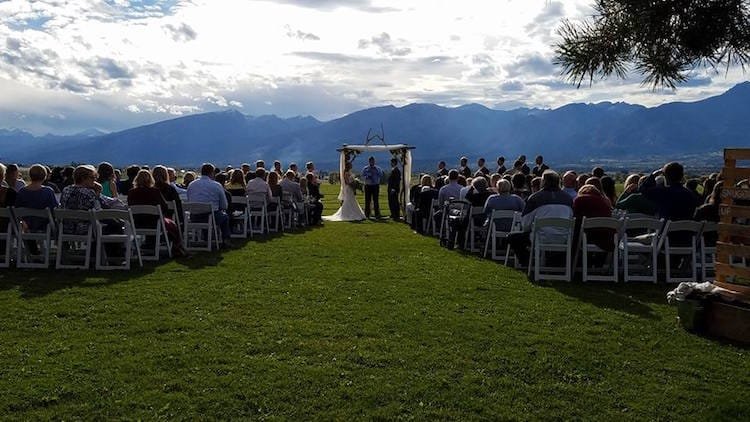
<point>571,133</point>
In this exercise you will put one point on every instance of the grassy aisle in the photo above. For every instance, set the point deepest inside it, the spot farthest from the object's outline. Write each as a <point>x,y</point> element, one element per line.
<point>351,320</point>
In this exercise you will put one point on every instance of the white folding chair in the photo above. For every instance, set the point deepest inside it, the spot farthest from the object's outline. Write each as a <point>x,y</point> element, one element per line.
<point>688,229</point>
<point>257,210</point>
<point>549,234</point>
<point>302,213</point>
<point>176,215</point>
<point>199,227</point>
<point>640,248</point>
<point>7,236</point>
<point>287,211</point>
<point>127,239</point>
<point>585,247</point>
<point>25,256</point>
<point>474,231</point>
<point>502,224</point>
<point>708,248</point>
<point>434,226</point>
<point>75,230</point>
<point>158,231</point>
<point>274,218</point>
<point>239,222</point>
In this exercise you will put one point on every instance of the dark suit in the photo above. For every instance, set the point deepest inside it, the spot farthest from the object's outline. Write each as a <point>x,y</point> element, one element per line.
<point>394,188</point>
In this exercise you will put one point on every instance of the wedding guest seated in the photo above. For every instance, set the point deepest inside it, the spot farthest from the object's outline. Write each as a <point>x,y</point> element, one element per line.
<point>591,203</point>
<point>277,169</point>
<point>597,172</point>
<point>710,212</point>
<point>632,201</point>
<point>106,178</point>
<point>536,184</point>
<point>692,186</point>
<point>673,201</point>
<point>503,200</point>
<point>259,185</point>
<point>581,180</point>
<point>13,177</point>
<point>236,187</point>
<point>465,189</point>
<point>290,186</point>
<point>49,183</point>
<point>172,174</point>
<point>424,203</point>
<point>478,192</point>
<point>519,186</point>
<point>167,189</point>
<point>314,196</point>
<point>293,168</point>
<point>570,184</point>
<point>56,176</point>
<point>125,185</point>
<point>205,189</point>
<point>222,178</point>
<point>451,190</point>
<point>7,194</point>
<point>83,195</point>
<point>551,201</point>
<point>67,177</point>
<point>36,195</point>
<point>144,192</point>
<point>608,189</point>
<point>493,182</point>
<point>187,179</point>
<point>708,187</point>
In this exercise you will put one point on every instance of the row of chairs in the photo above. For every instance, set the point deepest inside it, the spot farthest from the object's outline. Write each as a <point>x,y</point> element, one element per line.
<point>257,215</point>
<point>638,240</point>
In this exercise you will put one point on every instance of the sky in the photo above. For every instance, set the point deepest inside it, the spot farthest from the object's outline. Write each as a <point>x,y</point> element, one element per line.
<point>69,66</point>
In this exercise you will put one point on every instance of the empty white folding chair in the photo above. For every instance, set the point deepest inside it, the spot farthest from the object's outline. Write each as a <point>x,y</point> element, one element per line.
<point>639,245</point>
<point>127,240</point>
<point>257,209</point>
<point>604,225</point>
<point>75,230</point>
<point>7,237</point>
<point>553,235</point>
<point>239,221</point>
<point>502,224</point>
<point>33,248</point>
<point>688,232</point>
<point>156,231</point>
<point>199,227</point>
<point>709,234</point>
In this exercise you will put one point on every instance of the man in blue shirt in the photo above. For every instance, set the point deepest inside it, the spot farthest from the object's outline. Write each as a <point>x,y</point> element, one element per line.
<point>205,189</point>
<point>372,175</point>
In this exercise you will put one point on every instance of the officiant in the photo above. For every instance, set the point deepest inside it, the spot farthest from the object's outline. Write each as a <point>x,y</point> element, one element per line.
<point>372,175</point>
<point>394,188</point>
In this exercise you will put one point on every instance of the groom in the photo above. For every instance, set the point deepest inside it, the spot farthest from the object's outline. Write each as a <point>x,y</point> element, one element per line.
<point>372,175</point>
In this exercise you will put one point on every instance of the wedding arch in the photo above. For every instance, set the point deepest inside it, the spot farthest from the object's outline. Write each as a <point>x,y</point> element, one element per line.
<point>401,152</point>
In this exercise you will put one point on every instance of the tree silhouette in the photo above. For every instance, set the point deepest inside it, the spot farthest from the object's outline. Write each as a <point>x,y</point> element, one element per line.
<point>661,39</point>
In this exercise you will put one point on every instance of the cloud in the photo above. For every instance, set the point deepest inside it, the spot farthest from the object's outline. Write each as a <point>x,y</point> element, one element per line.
<point>300,35</point>
<point>512,86</point>
<point>533,64</point>
<point>546,21</point>
<point>385,45</point>
<point>181,33</point>
<point>331,5</point>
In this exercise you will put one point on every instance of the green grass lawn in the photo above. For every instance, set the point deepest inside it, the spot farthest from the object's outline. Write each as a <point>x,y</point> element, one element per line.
<point>352,320</point>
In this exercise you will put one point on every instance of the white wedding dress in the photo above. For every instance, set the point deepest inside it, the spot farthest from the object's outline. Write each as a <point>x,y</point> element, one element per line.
<point>350,209</point>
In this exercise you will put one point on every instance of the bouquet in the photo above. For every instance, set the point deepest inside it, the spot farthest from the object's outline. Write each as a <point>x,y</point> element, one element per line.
<point>356,185</point>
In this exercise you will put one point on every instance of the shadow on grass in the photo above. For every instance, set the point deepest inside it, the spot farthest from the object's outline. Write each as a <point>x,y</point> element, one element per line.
<point>32,283</point>
<point>632,299</point>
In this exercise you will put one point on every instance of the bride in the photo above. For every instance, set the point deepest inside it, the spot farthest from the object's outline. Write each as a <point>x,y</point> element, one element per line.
<point>350,209</point>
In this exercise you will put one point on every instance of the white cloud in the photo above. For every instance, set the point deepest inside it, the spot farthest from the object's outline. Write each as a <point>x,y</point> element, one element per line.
<point>138,62</point>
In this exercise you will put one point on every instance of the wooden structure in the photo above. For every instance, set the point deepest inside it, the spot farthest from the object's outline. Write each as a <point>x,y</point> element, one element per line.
<point>732,320</point>
<point>733,247</point>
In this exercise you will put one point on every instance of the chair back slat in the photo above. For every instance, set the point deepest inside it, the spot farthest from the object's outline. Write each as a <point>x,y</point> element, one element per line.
<point>145,210</point>
<point>600,223</point>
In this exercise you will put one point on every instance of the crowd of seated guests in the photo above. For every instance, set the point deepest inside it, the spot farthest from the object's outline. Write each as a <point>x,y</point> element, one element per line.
<point>92,188</point>
<point>541,192</point>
